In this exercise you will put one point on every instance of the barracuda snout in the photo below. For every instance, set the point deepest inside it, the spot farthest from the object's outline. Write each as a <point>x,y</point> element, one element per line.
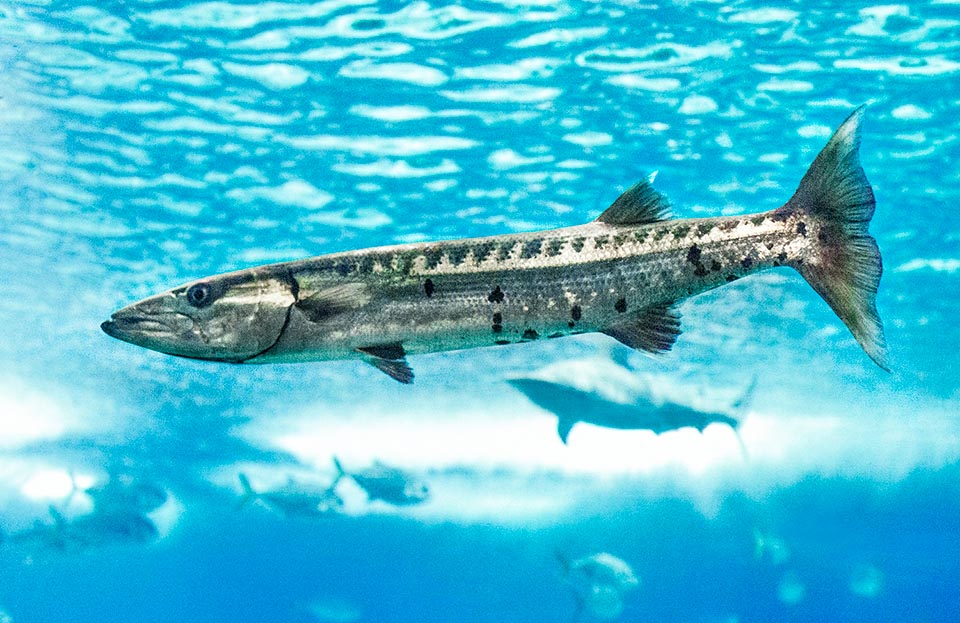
<point>232,317</point>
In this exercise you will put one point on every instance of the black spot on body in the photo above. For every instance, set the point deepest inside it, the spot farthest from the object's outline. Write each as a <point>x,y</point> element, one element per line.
<point>504,250</point>
<point>641,235</point>
<point>681,231</point>
<point>782,257</point>
<point>731,278</point>
<point>578,243</point>
<point>619,239</point>
<point>728,225</point>
<point>428,287</point>
<point>576,313</point>
<point>715,266</point>
<point>501,342</point>
<point>601,241</point>
<point>693,256</point>
<point>497,328</point>
<point>554,246</point>
<point>758,219</point>
<point>620,305</point>
<point>497,322</point>
<point>496,296</point>
<point>343,268</point>
<point>802,228</point>
<point>747,262</point>
<point>530,334</point>
<point>531,248</point>
<point>704,228</point>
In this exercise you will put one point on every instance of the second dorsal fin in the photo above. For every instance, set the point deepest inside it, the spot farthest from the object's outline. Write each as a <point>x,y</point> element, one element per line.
<point>638,205</point>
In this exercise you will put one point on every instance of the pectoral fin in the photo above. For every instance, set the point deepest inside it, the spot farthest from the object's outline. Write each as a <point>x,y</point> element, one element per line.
<point>654,329</point>
<point>564,426</point>
<point>321,304</point>
<point>391,359</point>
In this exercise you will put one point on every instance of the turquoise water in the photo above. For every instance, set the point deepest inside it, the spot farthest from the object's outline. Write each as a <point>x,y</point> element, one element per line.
<point>146,144</point>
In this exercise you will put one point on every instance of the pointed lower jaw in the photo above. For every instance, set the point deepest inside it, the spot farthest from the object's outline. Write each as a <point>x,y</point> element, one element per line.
<point>110,328</point>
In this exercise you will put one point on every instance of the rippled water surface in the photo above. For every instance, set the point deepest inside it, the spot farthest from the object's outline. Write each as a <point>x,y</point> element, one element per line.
<point>146,144</point>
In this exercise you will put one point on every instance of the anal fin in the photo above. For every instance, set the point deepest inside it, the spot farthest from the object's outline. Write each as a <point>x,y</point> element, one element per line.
<point>389,359</point>
<point>654,329</point>
<point>564,426</point>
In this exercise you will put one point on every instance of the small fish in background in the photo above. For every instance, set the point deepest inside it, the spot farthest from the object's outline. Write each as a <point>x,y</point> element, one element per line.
<point>294,499</point>
<point>96,529</point>
<point>623,274</point>
<point>388,484</point>
<point>123,492</point>
<point>572,406</point>
<point>599,582</point>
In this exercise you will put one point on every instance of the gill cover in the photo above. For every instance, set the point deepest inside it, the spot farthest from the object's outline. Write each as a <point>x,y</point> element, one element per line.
<point>232,317</point>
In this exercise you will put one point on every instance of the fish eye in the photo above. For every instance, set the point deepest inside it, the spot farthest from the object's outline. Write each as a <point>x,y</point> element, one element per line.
<point>199,295</point>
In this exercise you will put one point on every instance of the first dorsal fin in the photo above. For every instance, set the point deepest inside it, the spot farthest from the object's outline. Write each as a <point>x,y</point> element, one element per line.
<point>654,329</point>
<point>638,205</point>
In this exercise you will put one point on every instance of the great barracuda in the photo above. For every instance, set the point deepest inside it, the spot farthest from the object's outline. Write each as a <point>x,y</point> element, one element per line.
<point>623,275</point>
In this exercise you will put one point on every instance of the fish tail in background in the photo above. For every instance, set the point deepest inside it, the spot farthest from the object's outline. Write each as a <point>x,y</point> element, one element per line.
<point>340,472</point>
<point>844,266</point>
<point>248,493</point>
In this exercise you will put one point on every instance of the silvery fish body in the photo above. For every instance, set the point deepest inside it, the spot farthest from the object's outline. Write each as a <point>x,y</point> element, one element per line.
<point>294,500</point>
<point>386,483</point>
<point>622,274</point>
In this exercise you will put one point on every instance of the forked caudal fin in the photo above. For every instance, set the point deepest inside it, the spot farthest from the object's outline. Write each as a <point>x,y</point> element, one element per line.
<point>846,266</point>
<point>248,493</point>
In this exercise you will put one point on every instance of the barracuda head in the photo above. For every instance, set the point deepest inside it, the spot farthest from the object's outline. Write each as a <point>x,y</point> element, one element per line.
<point>231,317</point>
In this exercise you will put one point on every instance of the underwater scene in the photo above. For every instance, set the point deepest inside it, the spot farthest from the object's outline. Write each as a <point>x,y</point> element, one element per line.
<point>740,419</point>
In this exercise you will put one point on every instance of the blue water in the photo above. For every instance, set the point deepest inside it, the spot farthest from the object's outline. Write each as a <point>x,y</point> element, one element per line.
<point>146,144</point>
